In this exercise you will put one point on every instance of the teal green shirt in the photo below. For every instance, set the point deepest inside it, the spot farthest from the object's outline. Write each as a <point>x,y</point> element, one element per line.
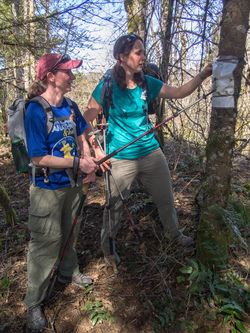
<point>128,120</point>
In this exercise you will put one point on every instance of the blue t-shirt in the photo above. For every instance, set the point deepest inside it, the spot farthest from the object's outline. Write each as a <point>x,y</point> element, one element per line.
<point>61,141</point>
<point>128,120</point>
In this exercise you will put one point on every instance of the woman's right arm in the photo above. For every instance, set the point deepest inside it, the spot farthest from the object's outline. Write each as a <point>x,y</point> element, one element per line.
<point>91,112</point>
<point>86,165</point>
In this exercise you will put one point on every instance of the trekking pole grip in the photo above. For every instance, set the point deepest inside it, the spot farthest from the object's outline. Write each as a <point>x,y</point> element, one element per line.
<point>85,188</point>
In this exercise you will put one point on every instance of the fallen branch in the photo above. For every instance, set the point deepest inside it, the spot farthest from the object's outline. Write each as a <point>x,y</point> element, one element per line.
<point>187,185</point>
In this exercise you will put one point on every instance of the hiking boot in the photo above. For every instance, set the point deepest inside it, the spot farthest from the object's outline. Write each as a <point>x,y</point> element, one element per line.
<point>36,319</point>
<point>185,241</point>
<point>107,259</point>
<point>79,280</point>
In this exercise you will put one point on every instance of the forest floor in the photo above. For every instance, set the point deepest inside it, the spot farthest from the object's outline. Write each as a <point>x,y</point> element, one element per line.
<point>149,294</point>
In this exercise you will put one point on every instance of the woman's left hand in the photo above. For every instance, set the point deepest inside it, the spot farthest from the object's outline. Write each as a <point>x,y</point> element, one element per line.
<point>89,178</point>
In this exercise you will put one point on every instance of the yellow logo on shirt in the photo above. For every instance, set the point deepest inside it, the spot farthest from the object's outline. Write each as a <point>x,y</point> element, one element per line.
<point>66,149</point>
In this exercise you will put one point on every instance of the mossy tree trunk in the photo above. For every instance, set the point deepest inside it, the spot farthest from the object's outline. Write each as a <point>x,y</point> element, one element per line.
<point>9,213</point>
<point>215,189</point>
<point>136,19</point>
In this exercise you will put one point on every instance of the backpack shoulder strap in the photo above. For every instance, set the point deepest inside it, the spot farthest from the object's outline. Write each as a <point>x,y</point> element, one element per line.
<point>71,118</point>
<point>71,105</point>
<point>107,91</point>
<point>49,114</point>
<point>103,91</point>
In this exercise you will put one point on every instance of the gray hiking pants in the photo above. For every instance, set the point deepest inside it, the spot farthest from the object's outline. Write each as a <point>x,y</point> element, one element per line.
<point>51,215</point>
<point>154,174</point>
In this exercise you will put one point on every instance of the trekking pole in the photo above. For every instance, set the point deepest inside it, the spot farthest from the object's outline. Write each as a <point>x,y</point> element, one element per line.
<point>108,195</point>
<point>142,245</point>
<point>175,114</point>
<point>85,188</point>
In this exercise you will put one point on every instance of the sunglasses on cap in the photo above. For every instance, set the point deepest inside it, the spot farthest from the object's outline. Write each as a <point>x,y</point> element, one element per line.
<point>64,58</point>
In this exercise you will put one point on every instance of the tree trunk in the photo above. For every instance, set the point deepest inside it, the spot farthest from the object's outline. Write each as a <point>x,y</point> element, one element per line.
<point>9,213</point>
<point>168,6</point>
<point>17,68</point>
<point>136,10</point>
<point>213,195</point>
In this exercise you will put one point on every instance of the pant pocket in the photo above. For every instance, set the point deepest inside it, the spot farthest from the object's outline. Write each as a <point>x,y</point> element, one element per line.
<point>41,209</point>
<point>38,221</point>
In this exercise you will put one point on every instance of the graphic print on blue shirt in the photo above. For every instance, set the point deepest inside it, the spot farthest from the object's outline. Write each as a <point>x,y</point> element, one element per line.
<point>64,146</point>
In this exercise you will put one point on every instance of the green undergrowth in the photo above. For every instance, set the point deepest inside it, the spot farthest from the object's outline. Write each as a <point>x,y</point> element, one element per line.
<point>224,292</point>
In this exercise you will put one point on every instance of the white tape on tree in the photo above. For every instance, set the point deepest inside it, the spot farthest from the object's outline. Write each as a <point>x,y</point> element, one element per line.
<point>223,82</point>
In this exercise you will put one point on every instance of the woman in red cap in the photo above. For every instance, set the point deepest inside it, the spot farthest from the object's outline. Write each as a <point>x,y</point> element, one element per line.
<point>56,190</point>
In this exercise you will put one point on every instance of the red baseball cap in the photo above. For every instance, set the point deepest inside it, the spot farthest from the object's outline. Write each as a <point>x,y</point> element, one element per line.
<point>52,61</point>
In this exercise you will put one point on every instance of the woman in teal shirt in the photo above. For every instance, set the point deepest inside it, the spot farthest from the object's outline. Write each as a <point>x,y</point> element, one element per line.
<point>127,121</point>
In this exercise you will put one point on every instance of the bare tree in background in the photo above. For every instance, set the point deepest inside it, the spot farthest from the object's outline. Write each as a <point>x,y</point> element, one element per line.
<point>136,10</point>
<point>31,28</point>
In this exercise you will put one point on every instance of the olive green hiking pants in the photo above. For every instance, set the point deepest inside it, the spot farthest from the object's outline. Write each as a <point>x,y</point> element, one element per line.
<point>153,172</point>
<point>51,215</point>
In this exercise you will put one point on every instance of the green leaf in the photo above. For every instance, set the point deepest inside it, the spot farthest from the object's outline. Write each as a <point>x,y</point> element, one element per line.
<point>226,307</point>
<point>222,266</point>
<point>94,321</point>
<point>163,314</point>
<point>211,286</point>
<point>186,269</point>
<point>89,307</point>
<point>238,315</point>
<point>193,275</point>
<point>211,317</point>
<point>237,281</point>
<point>238,307</point>
<point>226,319</point>
<point>201,277</point>
<point>99,304</point>
<point>240,326</point>
<point>194,264</point>
<point>192,288</point>
<point>180,279</point>
<point>93,314</point>
<point>226,300</point>
<point>222,287</point>
<point>210,273</point>
<point>88,289</point>
<point>203,268</point>
<point>196,305</point>
<point>162,321</point>
<point>231,312</point>
<point>100,311</point>
<point>102,317</point>
<point>233,331</point>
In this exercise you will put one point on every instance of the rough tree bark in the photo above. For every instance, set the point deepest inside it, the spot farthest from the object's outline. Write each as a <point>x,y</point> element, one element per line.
<point>17,69</point>
<point>9,212</point>
<point>136,10</point>
<point>215,190</point>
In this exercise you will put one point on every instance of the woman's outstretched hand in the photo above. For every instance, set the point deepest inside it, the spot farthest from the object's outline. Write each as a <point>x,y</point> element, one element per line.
<point>207,71</point>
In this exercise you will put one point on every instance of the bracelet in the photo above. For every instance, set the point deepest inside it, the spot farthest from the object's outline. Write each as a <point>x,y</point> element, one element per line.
<point>76,163</point>
<point>202,77</point>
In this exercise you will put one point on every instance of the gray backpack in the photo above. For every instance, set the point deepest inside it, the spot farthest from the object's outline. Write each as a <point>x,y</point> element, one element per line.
<point>16,129</point>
